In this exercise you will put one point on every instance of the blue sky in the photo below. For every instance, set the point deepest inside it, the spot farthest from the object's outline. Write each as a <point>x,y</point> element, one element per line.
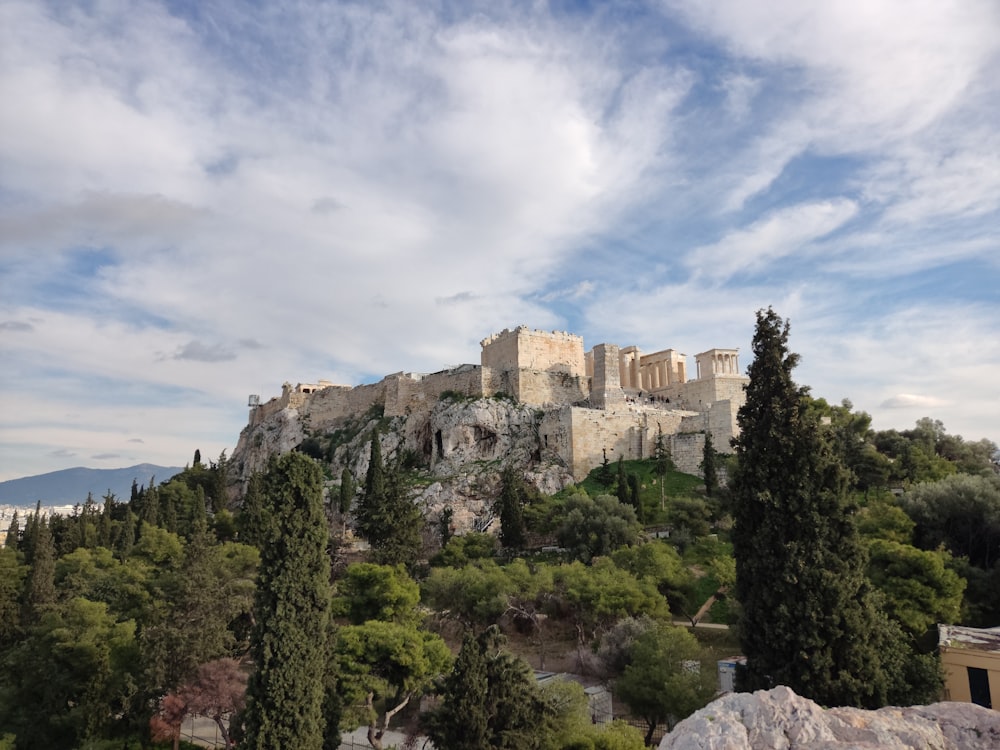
<point>199,201</point>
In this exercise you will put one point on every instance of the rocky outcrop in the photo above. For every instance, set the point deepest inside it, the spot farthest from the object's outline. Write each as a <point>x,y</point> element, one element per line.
<point>779,719</point>
<point>458,444</point>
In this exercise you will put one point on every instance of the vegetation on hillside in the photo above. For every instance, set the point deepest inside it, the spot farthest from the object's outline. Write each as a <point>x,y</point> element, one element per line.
<point>143,610</point>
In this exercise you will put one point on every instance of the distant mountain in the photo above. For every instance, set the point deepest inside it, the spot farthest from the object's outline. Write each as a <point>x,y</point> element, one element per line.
<point>70,486</point>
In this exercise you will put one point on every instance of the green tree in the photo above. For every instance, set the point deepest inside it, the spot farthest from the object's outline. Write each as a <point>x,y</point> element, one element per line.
<point>381,666</point>
<point>254,518</point>
<point>445,530</point>
<point>40,592</point>
<point>807,618</point>
<point>665,680</point>
<point>291,610</point>
<point>709,470</point>
<point>509,508</point>
<point>962,512</point>
<point>597,526</point>
<point>13,532</point>
<point>476,595</point>
<point>461,550</point>
<point>594,596</point>
<point>12,575</point>
<point>346,495</point>
<point>920,588</point>
<point>662,565</point>
<point>71,679</point>
<point>385,517</point>
<point>634,498</point>
<point>377,592</point>
<point>490,700</point>
<point>663,463</point>
<point>621,485</point>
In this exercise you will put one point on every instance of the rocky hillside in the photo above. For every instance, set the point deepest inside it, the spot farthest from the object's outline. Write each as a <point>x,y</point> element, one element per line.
<point>779,718</point>
<point>458,445</point>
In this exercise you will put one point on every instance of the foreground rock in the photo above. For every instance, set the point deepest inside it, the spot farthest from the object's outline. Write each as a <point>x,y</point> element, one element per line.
<point>779,719</point>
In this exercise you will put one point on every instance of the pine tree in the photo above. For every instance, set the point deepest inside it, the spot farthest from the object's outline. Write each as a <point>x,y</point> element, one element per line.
<point>807,619</point>
<point>291,611</point>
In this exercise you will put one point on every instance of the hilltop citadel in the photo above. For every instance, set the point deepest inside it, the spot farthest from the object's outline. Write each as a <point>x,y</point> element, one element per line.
<point>609,401</point>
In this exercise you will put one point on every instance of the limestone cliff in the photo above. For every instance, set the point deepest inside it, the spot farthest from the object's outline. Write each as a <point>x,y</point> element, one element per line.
<point>458,444</point>
<point>779,719</point>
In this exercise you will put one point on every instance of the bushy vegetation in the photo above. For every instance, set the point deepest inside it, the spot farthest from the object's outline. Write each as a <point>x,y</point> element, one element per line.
<point>141,611</point>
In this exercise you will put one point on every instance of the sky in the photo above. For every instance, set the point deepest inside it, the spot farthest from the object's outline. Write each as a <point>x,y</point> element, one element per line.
<point>202,200</point>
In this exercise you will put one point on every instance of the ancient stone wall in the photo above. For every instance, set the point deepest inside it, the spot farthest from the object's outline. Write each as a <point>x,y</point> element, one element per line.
<point>333,405</point>
<point>547,370</point>
<point>687,450</point>
<point>549,388</point>
<point>411,392</point>
<point>527,349</point>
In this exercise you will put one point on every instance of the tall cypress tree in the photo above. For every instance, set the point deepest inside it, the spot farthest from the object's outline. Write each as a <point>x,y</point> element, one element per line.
<point>385,517</point>
<point>708,467</point>
<point>13,538</point>
<point>40,593</point>
<point>291,610</point>
<point>807,620</point>
<point>509,508</point>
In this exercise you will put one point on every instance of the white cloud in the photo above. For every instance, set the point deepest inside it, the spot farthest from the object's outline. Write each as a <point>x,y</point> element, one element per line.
<point>197,206</point>
<point>911,400</point>
<point>771,238</point>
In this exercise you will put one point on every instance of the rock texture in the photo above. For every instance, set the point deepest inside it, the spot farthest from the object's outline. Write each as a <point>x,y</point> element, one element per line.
<point>460,445</point>
<point>779,719</point>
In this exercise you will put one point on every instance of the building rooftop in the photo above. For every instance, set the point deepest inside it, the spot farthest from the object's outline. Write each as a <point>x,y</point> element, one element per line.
<point>976,639</point>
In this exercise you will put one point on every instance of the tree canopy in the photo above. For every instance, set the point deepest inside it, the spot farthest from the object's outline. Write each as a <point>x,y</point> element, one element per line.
<point>807,620</point>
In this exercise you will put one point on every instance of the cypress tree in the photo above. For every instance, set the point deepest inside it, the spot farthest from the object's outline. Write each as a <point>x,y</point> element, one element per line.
<point>708,467</point>
<point>104,526</point>
<point>508,508</point>
<point>253,520</point>
<point>385,517</point>
<point>151,506</point>
<point>40,594</point>
<point>291,611</point>
<point>126,540</point>
<point>490,701</point>
<point>807,618</point>
<point>634,499</point>
<point>13,533</point>
<point>347,491</point>
<point>621,488</point>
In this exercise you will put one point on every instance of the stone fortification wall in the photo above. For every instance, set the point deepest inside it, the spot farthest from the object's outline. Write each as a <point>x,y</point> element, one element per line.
<point>410,392</point>
<point>547,388</point>
<point>687,450</point>
<point>528,349</point>
<point>628,431</point>
<point>546,371</point>
<point>333,405</point>
<point>698,395</point>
